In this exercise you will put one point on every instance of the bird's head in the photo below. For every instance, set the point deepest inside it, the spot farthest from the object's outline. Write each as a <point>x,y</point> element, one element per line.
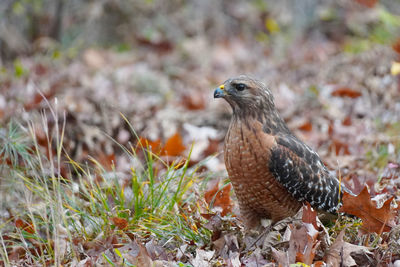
<point>246,96</point>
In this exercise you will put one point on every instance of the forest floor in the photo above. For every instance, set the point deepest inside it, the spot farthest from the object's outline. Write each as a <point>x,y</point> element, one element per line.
<point>115,158</point>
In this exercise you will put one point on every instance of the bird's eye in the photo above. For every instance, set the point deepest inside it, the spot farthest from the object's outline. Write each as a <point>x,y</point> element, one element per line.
<point>240,86</point>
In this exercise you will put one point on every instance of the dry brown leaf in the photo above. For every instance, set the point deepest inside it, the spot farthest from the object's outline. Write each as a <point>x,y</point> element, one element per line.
<point>121,223</point>
<point>159,46</point>
<point>143,258</point>
<point>220,197</point>
<point>155,251</point>
<point>341,252</point>
<point>347,121</point>
<point>340,147</point>
<point>396,46</point>
<point>203,258</point>
<point>213,145</point>
<point>374,220</point>
<point>40,69</point>
<point>39,97</point>
<point>346,92</point>
<point>309,215</point>
<point>107,161</point>
<point>19,223</point>
<point>194,100</point>
<point>303,243</point>
<point>136,254</point>
<point>280,257</point>
<point>16,253</point>
<point>255,259</point>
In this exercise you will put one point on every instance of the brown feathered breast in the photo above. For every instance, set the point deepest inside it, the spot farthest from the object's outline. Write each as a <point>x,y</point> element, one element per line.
<point>272,171</point>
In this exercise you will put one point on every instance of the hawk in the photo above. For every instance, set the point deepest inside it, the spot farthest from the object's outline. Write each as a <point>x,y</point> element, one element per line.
<point>272,172</point>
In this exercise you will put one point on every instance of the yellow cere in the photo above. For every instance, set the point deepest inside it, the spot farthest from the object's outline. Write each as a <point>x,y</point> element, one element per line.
<point>221,87</point>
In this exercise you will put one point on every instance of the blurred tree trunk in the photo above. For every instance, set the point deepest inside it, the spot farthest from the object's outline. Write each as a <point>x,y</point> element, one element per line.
<point>56,28</point>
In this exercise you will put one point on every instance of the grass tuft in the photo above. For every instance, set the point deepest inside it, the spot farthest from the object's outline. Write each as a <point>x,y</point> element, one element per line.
<point>54,217</point>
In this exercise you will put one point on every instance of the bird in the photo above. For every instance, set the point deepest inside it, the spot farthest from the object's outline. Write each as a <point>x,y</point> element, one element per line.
<point>272,171</point>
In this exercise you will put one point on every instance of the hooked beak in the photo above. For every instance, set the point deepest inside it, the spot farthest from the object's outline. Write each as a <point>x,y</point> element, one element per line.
<point>219,92</point>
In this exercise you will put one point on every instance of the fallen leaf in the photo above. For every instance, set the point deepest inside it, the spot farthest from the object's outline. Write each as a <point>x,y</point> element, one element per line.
<point>309,215</point>
<point>136,254</point>
<point>155,251</point>
<point>230,245</point>
<point>121,223</point>
<point>346,92</point>
<point>347,121</point>
<point>40,69</point>
<point>174,146</point>
<point>396,46</point>
<point>107,161</point>
<point>303,243</point>
<point>306,126</point>
<point>342,253</point>
<point>212,148</point>
<point>193,100</point>
<point>154,146</point>
<point>40,96</point>
<point>339,147</point>
<point>255,259</point>
<point>203,258</point>
<point>160,46</point>
<point>280,257</point>
<point>233,260</point>
<point>15,253</point>
<point>374,220</point>
<point>219,197</point>
<point>19,223</point>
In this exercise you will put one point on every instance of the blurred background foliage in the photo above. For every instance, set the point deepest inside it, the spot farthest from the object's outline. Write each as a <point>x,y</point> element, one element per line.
<point>51,26</point>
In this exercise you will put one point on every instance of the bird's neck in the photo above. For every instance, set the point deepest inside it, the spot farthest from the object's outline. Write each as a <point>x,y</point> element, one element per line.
<point>270,119</point>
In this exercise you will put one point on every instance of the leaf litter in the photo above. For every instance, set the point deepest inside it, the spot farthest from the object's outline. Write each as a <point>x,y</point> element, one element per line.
<point>344,106</point>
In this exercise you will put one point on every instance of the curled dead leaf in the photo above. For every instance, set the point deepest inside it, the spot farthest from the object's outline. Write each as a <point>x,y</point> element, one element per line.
<point>374,219</point>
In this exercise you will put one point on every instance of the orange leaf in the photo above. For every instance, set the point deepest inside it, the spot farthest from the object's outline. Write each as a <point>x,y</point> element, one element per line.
<point>346,92</point>
<point>220,198</point>
<point>154,146</point>
<point>396,46</point>
<point>374,220</point>
<point>306,126</point>
<point>106,161</point>
<point>309,215</point>
<point>174,146</point>
<point>121,223</point>
<point>38,98</point>
<point>340,148</point>
<point>19,223</point>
